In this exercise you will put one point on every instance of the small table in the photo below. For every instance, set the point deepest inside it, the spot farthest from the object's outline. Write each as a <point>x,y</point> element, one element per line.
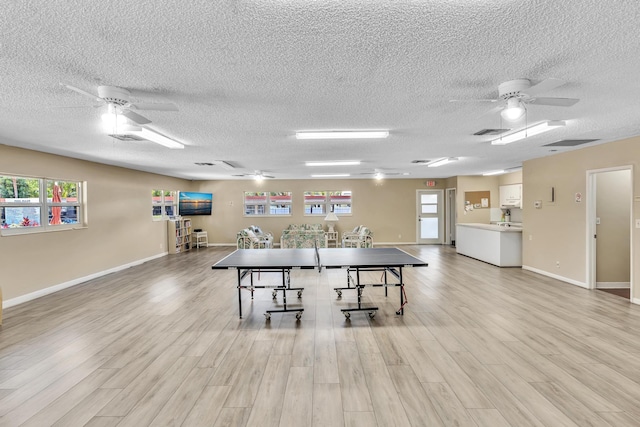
<point>200,238</point>
<point>332,236</point>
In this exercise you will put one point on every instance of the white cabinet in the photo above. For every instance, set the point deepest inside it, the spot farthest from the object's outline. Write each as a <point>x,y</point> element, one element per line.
<point>511,196</point>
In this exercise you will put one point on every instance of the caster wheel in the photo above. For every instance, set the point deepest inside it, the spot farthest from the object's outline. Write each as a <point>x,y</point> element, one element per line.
<point>347,315</point>
<point>339,294</point>
<point>398,312</point>
<point>274,294</point>
<point>372,314</point>
<point>267,316</point>
<point>298,315</point>
<point>299,294</point>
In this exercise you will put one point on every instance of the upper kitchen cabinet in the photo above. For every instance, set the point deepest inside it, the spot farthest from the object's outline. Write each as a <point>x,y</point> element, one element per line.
<point>511,196</point>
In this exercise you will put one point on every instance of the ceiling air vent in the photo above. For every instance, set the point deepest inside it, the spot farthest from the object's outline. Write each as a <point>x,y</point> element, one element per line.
<point>570,142</point>
<point>420,161</point>
<point>491,132</point>
<point>126,137</point>
<point>204,164</point>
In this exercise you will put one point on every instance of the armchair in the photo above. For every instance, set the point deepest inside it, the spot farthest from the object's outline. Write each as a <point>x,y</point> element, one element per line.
<point>360,237</point>
<point>254,238</point>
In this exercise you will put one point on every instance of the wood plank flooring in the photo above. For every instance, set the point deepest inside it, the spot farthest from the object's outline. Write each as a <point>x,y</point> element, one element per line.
<point>161,344</point>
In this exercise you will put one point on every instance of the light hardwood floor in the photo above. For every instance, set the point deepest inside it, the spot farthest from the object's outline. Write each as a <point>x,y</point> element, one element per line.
<point>161,344</point>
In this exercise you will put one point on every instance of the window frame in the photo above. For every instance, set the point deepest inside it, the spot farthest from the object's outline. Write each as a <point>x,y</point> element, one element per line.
<point>45,204</point>
<point>164,203</point>
<point>328,202</point>
<point>267,204</point>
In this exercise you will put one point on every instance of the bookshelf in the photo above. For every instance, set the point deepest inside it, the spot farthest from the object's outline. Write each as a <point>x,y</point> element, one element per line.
<point>178,235</point>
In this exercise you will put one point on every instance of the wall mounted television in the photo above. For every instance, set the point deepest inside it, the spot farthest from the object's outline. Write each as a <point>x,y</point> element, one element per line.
<point>192,203</point>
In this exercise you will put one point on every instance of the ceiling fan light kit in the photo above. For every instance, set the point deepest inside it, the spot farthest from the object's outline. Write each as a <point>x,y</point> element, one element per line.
<point>514,110</point>
<point>528,132</point>
<point>343,134</point>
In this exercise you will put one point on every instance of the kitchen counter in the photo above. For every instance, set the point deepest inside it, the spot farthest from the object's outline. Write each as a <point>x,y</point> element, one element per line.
<point>496,244</point>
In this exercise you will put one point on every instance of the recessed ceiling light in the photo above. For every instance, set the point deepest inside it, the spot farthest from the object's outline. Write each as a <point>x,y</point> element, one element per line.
<point>331,175</point>
<point>336,163</point>
<point>343,134</point>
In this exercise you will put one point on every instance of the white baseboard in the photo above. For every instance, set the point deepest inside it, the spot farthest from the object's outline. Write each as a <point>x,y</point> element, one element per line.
<point>613,285</point>
<point>636,301</point>
<point>51,289</point>
<point>555,276</point>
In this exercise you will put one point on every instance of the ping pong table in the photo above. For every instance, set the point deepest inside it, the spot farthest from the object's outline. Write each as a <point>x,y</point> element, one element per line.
<point>389,261</point>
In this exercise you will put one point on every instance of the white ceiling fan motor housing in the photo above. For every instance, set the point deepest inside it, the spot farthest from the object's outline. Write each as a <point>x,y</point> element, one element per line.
<point>114,95</point>
<point>513,88</point>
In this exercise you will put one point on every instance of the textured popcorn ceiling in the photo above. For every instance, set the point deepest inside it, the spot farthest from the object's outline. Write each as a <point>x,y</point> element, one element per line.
<point>246,74</point>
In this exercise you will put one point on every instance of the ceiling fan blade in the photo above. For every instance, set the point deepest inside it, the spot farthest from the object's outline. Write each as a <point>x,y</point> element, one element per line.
<point>135,117</point>
<point>168,106</point>
<point>80,91</point>
<point>544,86</point>
<point>492,110</point>
<point>473,100</point>
<point>557,102</point>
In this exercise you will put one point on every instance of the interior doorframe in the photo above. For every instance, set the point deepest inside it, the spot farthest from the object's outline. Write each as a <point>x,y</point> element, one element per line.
<point>449,215</point>
<point>591,226</point>
<point>441,214</point>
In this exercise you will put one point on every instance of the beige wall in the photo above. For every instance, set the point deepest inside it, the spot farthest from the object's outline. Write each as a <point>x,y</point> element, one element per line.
<point>557,232</point>
<point>476,183</point>
<point>387,207</point>
<point>120,229</point>
<point>613,192</point>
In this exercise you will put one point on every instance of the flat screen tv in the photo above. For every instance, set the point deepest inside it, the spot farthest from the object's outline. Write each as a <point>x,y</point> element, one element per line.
<point>190,203</point>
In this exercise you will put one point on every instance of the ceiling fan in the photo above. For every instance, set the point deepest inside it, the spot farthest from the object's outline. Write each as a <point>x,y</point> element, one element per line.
<point>257,175</point>
<point>515,94</point>
<point>117,100</point>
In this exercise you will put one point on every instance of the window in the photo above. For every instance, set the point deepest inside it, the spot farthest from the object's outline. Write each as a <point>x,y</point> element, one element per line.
<point>163,204</point>
<point>315,202</point>
<point>322,202</point>
<point>267,203</point>
<point>340,202</point>
<point>29,204</point>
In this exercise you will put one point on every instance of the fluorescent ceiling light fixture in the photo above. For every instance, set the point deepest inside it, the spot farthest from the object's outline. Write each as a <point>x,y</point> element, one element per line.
<point>442,162</point>
<point>527,132</point>
<point>331,175</point>
<point>513,111</point>
<point>343,134</point>
<point>157,138</point>
<point>336,163</point>
<point>494,173</point>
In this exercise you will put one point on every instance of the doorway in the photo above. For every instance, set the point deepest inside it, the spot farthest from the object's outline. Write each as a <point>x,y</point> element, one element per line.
<point>450,212</point>
<point>430,217</point>
<point>609,228</point>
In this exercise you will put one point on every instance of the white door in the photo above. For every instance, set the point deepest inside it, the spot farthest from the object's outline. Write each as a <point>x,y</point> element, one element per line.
<point>430,214</point>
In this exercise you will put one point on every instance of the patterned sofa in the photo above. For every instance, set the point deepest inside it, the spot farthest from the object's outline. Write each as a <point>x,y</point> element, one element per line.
<point>360,237</point>
<point>303,236</point>
<point>254,238</point>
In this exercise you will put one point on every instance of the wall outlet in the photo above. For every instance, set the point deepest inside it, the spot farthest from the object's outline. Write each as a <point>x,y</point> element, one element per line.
<point>399,236</point>
<point>558,264</point>
<point>637,223</point>
<point>530,236</point>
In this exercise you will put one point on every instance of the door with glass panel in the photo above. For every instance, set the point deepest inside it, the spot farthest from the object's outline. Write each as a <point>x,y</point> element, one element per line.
<point>430,215</point>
